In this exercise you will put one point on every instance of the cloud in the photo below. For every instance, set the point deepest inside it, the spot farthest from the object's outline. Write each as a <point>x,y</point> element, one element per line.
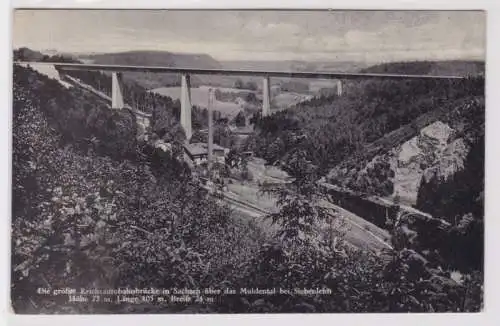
<point>258,34</point>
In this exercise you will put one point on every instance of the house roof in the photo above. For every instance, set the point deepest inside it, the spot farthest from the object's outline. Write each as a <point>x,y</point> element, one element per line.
<point>201,148</point>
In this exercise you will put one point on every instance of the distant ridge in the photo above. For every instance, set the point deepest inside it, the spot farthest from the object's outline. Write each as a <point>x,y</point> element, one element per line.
<point>296,65</point>
<point>443,67</point>
<point>155,58</point>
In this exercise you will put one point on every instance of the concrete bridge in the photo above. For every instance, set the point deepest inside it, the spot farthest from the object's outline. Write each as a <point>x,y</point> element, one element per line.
<point>117,81</point>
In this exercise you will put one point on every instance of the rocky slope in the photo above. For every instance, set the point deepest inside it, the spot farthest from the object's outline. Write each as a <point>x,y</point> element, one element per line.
<point>438,149</point>
<point>49,71</point>
<point>433,152</point>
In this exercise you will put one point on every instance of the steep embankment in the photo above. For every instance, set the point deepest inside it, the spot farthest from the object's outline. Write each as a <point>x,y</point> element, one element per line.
<point>431,147</point>
<point>49,71</point>
<point>99,221</point>
<point>432,143</point>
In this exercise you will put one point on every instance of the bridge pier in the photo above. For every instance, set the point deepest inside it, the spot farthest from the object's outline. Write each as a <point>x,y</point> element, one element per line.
<point>117,91</point>
<point>210,130</point>
<point>339,88</point>
<point>266,97</point>
<point>186,105</point>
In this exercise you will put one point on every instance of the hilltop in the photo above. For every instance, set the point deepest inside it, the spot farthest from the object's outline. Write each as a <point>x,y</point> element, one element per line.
<point>155,58</point>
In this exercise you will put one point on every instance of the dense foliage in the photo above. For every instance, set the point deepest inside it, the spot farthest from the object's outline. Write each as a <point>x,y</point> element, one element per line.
<point>436,68</point>
<point>303,255</point>
<point>85,121</point>
<point>139,98</point>
<point>91,221</point>
<point>333,128</point>
<point>122,213</point>
<point>460,200</point>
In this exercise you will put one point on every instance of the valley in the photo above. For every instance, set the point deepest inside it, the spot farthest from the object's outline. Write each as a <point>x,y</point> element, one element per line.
<point>392,153</point>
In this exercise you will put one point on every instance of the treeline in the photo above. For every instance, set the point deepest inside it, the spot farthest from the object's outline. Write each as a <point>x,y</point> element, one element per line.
<point>251,85</point>
<point>294,86</point>
<point>26,54</point>
<point>247,96</point>
<point>444,68</point>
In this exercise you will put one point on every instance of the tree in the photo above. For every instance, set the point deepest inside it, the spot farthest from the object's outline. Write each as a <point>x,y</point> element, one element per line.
<point>238,84</point>
<point>240,119</point>
<point>251,86</point>
<point>245,172</point>
<point>251,98</point>
<point>218,94</point>
<point>300,211</point>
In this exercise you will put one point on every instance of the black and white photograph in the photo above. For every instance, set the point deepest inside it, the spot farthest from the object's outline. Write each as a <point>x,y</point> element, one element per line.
<point>247,161</point>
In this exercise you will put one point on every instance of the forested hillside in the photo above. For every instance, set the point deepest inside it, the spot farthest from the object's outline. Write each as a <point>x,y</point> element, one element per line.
<point>330,129</point>
<point>435,143</point>
<point>435,68</point>
<point>83,208</point>
<point>424,138</point>
<point>94,208</point>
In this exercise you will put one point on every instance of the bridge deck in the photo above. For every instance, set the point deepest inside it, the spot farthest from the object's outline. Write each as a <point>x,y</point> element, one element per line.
<point>238,72</point>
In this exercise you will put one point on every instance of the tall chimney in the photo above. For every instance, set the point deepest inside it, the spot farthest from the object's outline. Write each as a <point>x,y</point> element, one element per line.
<point>210,129</point>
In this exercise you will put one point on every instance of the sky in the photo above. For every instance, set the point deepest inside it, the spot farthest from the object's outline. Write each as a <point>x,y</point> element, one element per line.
<point>369,36</point>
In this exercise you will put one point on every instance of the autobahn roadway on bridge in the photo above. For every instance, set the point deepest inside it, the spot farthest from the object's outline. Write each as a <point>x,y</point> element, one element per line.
<point>235,72</point>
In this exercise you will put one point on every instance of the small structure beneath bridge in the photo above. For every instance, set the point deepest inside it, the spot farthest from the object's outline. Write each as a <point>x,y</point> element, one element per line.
<point>198,153</point>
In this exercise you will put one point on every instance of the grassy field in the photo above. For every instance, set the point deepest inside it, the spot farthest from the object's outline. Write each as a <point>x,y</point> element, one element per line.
<point>199,97</point>
<point>284,100</point>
